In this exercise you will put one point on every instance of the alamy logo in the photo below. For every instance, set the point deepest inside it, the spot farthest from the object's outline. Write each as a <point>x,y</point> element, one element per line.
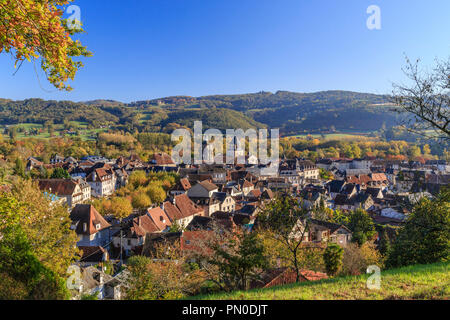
<point>74,21</point>
<point>374,20</point>
<point>208,147</point>
<point>74,280</point>
<point>374,281</point>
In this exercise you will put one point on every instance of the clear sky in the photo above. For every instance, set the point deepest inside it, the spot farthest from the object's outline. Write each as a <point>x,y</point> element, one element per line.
<point>145,49</point>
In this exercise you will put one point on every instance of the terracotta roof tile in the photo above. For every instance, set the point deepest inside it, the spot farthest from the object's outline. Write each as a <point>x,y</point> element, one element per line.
<point>162,159</point>
<point>86,214</point>
<point>60,187</point>
<point>159,218</point>
<point>143,225</point>
<point>208,185</point>
<point>186,206</point>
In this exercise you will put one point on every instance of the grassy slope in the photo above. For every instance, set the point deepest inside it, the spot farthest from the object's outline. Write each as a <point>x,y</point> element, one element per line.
<point>414,282</point>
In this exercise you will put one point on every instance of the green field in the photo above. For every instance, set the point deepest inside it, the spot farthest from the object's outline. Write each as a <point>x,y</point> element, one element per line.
<point>413,282</point>
<point>335,136</point>
<point>85,134</point>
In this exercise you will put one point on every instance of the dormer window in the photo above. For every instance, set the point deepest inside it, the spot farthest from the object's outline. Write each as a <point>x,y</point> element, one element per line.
<point>98,226</point>
<point>73,226</point>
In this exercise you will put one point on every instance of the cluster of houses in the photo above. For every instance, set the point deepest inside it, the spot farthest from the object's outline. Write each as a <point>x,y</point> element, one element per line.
<point>232,196</point>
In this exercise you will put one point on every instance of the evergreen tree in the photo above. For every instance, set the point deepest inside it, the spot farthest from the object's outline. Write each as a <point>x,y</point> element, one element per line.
<point>333,258</point>
<point>361,225</point>
<point>426,236</point>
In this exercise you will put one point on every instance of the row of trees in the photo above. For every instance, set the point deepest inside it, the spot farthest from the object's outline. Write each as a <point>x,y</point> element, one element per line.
<point>357,147</point>
<point>141,192</point>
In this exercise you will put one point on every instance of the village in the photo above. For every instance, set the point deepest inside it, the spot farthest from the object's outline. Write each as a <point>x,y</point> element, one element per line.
<point>231,195</point>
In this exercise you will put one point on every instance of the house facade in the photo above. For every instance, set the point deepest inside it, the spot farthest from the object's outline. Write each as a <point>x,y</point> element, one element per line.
<point>72,191</point>
<point>102,182</point>
<point>92,229</point>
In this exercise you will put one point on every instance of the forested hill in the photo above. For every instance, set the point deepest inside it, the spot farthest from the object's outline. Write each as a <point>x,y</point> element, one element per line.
<point>290,111</point>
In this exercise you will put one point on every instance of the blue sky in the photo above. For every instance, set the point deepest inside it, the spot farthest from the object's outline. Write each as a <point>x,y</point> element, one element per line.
<point>146,49</point>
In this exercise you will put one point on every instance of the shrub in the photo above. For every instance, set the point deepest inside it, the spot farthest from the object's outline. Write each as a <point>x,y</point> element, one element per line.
<point>333,258</point>
<point>356,258</point>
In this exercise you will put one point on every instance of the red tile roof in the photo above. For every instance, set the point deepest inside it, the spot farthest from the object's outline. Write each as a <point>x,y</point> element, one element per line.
<point>143,225</point>
<point>162,159</point>
<point>255,193</point>
<point>159,218</point>
<point>92,254</point>
<point>247,184</point>
<point>172,211</point>
<point>186,207</point>
<point>208,185</point>
<point>194,241</point>
<point>286,275</point>
<point>378,177</point>
<point>60,187</point>
<point>185,184</point>
<point>86,213</point>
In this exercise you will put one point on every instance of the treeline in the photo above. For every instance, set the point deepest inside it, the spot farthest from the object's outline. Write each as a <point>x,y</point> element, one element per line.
<point>112,145</point>
<point>41,111</point>
<point>317,148</point>
<point>292,112</point>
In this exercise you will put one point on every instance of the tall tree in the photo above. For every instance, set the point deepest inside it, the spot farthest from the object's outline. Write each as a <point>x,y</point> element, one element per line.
<point>333,258</point>
<point>288,224</point>
<point>120,207</point>
<point>361,225</point>
<point>33,29</point>
<point>12,131</point>
<point>164,275</point>
<point>426,100</point>
<point>239,259</point>
<point>426,236</point>
<point>19,168</point>
<point>60,173</point>
<point>22,274</point>
<point>46,226</point>
<point>156,193</point>
<point>140,200</point>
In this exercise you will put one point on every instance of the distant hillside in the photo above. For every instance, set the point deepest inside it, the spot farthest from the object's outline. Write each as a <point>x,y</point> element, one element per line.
<point>293,113</point>
<point>421,282</point>
<point>40,111</point>
<point>104,103</point>
<point>221,119</point>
